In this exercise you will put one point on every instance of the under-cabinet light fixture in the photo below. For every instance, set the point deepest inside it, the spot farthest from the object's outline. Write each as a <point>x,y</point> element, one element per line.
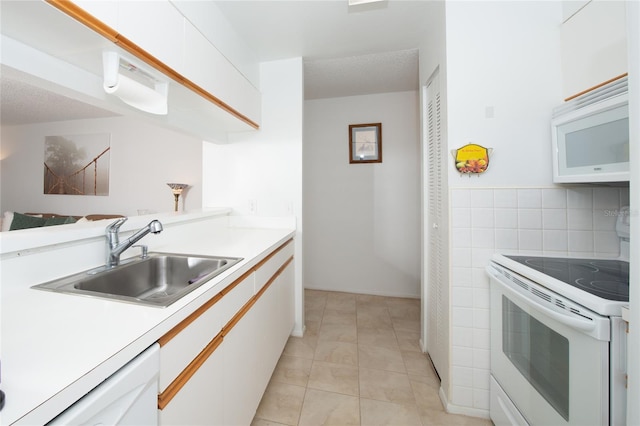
<point>357,2</point>
<point>134,86</point>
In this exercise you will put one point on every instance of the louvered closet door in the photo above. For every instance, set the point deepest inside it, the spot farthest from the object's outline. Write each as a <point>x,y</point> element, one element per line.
<point>437,285</point>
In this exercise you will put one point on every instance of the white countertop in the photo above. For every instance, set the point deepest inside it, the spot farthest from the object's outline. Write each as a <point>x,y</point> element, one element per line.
<point>56,347</point>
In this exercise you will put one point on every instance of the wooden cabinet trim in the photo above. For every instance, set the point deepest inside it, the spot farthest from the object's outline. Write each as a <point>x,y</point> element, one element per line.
<point>172,390</point>
<point>238,316</point>
<point>273,253</point>
<point>188,320</point>
<point>595,87</point>
<point>80,15</point>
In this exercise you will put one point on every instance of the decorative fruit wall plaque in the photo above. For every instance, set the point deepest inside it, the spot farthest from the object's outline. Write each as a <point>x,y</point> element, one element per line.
<point>471,159</point>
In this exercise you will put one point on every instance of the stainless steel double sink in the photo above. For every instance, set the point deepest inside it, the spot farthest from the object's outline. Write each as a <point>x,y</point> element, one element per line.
<point>159,279</point>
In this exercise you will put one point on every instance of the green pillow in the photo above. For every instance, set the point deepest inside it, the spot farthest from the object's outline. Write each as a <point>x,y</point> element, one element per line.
<point>23,221</point>
<point>60,220</point>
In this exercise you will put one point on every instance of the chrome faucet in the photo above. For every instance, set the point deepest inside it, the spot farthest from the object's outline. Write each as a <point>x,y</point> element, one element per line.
<point>115,248</point>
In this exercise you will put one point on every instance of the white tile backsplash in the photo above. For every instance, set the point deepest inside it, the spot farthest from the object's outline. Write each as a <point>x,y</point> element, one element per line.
<point>605,198</point>
<point>462,395</point>
<point>506,218</point>
<point>530,239</point>
<point>579,198</point>
<point>462,317</point>
<point>461,217</point>
<point>481,359</point>
<point>461,198</point>
<point>604,220</point>
<point>554,219</point>
<point>529,198</point>
<point>580,219</point>
<point>482,198</point>
<point>506,239</point>
<point>463,358</point>
<point>556,240</point>
<point>505,198</point>
<point>606,243</point>
<point>461,237</point>
<point>482,238</point>
<point>482,218</point>
<point>481,378</point>
<point>481,398</point>
<point>461,257</point>
<point>481,318</point>
<point>554,198</point>
<point>535,221</point>
<point>462,376</point>
<point>580,241</point>
<point>462,297</point>
<point>529,219</point>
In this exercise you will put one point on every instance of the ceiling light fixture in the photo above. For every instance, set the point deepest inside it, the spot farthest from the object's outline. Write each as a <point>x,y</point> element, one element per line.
<point>134,86</point>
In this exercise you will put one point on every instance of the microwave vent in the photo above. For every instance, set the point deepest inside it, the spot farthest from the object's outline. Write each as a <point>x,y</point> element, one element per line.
<point>608,91</point>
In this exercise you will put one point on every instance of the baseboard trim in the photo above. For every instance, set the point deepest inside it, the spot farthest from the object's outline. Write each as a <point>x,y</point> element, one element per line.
<point>458,409</point>
<point>367,292</point>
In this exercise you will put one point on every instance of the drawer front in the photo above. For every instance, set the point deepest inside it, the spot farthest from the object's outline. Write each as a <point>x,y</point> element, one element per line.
<point>267,270</point>
<point>184,346</point>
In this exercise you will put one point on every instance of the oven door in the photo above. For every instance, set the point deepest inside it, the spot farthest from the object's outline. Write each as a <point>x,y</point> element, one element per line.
<point>552,363</point>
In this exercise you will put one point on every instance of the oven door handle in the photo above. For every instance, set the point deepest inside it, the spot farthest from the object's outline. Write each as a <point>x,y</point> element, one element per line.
<point>566,319</point>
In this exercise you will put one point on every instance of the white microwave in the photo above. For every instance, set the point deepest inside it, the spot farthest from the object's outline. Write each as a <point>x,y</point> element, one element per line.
<point>591,143</point>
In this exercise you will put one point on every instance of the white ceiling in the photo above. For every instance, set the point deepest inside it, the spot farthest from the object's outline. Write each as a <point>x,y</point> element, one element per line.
<point>347,50</point>
<point>22,103</point>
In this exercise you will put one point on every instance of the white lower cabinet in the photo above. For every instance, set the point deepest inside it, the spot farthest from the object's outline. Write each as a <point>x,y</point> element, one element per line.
<point>200,401</point>
<point>223,383</point>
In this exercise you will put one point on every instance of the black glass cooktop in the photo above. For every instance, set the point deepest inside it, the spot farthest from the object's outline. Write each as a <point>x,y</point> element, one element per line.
<point>608,279</point>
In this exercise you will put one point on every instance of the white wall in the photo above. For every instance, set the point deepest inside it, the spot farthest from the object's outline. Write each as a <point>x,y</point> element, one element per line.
<point>504,56</point>
<point>362,220</point>
<point>144,158</point>
<point>260,173</point>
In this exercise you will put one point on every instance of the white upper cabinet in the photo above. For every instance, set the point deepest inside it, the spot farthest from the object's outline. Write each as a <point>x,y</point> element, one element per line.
<point>104,10</point>
<point>594,44</point>
<point>206,66</point>
<point>160,29</point>
<point>156,26</point>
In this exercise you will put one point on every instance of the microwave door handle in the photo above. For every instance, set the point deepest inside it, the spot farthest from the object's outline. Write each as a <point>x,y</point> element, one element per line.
<point>579,324</point>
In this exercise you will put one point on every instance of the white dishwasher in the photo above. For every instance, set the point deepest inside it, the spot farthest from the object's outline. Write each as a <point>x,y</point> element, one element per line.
<point>128,397</point>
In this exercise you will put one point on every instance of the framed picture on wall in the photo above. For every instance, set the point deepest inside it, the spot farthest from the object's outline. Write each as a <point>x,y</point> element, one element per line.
<point>77,164</point>
<point>365,143</point>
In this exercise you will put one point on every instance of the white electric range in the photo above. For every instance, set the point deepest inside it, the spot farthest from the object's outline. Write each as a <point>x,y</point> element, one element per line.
<point>558,341</point>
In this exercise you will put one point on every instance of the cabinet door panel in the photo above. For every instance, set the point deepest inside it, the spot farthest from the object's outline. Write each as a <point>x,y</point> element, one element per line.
<point>186,345</point>
<point>155,26</point>
<point>593,46</point>
<point>210,69</point>
<point>200,401</point>
<point>241,354</point>
<point>178,352</point>
<point>104,10</point>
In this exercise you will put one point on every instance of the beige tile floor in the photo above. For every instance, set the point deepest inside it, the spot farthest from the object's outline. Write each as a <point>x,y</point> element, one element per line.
<point>359,363</point>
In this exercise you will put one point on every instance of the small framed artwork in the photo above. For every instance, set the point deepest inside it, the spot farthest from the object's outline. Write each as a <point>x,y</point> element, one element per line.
<point>365,143</point>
